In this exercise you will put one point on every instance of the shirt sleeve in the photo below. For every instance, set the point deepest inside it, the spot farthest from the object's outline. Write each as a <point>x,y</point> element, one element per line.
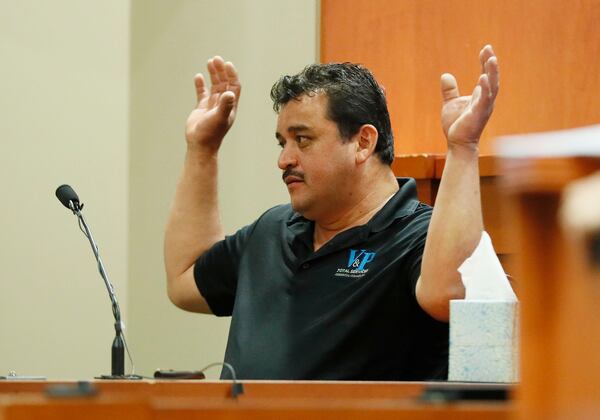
<point>216,271</point>
<point>419,226</point>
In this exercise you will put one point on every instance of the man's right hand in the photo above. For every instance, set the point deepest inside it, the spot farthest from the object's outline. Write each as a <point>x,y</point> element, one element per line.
<point>215,111</point>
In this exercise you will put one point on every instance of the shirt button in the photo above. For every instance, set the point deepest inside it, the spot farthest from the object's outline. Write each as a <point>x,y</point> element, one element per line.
<point>305,266</point>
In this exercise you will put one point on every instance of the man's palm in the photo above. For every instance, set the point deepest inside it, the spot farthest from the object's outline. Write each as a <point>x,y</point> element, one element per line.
<point>464,117</point>
<point>215,112</point>
<point>459,121</point>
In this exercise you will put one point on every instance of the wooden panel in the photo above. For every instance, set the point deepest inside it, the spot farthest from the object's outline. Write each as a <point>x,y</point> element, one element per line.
<point>427,169</point>
<point>422,168</point>
<point>299,409</point>
<point>34,406</point>
<point>488,166</point>
<point>261,400</point>
<point>548,52</point>
<point>560,370</point>
<point>418,166</point>
<point>221,389</point>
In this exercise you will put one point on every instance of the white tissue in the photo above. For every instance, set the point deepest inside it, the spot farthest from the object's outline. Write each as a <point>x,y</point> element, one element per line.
<point>483,276</point>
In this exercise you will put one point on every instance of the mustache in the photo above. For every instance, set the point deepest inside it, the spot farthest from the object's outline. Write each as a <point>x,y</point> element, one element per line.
<point>291,172</point>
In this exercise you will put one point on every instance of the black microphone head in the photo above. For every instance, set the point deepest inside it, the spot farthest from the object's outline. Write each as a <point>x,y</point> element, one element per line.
<point>66,195</point>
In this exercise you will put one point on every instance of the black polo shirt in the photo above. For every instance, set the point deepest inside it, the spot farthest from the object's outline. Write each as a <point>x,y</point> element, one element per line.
<point>347,311</point>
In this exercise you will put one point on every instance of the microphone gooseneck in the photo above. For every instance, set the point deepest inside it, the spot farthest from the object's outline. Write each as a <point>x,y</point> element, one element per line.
<point>68,197</point>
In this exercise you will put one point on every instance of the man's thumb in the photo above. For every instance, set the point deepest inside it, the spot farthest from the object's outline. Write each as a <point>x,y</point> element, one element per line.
<point>226,103</point>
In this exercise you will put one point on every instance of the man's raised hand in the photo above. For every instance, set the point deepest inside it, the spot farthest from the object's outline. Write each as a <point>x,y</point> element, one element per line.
<point>215,111</point>
<point>464,117</point>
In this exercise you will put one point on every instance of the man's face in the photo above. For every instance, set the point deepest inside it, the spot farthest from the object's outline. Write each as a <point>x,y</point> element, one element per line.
<point>317,164</point>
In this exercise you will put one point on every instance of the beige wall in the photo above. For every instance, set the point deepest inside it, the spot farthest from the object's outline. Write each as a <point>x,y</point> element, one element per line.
<point>64,84</point>
<point>171,41</point>
<point>80,104</point>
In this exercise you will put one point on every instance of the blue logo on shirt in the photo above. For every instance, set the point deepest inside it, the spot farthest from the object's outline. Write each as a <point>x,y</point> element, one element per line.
<point>358,259</point>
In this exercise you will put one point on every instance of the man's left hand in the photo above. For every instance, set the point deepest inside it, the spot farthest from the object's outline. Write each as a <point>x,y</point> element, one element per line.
<point>464,117</point>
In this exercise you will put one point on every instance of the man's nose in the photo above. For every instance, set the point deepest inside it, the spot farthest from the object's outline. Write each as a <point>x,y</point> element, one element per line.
<point>287,158</point>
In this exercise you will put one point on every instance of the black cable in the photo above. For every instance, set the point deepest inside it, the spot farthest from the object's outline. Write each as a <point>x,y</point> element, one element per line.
<point>237,388</point>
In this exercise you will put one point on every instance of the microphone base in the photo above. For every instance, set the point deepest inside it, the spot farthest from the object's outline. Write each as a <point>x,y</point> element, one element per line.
<point>120,377</point>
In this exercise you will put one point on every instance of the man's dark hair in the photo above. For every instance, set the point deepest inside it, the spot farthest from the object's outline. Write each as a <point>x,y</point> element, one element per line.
<point>355,99</point>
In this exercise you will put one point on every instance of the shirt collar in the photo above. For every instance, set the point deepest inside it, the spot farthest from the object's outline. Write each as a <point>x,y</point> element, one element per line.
<point>402,204</point>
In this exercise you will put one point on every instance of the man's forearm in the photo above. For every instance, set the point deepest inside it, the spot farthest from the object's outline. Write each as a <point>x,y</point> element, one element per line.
<point>454,231</point>
<point>194,224</point>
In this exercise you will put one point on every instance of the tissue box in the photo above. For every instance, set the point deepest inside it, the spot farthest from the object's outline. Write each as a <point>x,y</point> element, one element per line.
<point>484,341</point>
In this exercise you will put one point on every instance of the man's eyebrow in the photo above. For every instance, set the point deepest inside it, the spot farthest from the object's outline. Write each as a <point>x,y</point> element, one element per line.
<point>293,129</point>
<point>299,127</point>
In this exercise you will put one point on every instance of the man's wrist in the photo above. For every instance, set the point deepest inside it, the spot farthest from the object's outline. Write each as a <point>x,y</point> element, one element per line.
<point>200,153</point>
<point>204,150</point>
<point>464,149</point>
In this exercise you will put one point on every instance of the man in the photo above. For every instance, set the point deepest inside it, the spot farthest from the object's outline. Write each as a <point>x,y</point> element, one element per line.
<point>353,279</point>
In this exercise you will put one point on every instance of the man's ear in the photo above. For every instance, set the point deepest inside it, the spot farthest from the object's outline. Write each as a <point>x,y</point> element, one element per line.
<point>366,140</point>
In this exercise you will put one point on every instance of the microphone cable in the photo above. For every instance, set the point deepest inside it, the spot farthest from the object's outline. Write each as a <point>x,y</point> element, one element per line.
<point>237,388</point>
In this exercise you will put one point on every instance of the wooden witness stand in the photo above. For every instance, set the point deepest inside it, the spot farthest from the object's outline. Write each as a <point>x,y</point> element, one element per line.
<point>262,400</point>
<point>560,294</point>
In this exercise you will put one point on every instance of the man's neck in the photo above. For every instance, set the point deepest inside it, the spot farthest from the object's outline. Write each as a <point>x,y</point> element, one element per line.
<point>357,213</point>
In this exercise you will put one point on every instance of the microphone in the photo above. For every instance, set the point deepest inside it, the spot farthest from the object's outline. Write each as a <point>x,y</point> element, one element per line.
<point>68,197</point>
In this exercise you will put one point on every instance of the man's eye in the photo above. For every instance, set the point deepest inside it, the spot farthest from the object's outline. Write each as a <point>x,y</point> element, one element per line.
<point>301,139</point>
<point>280,143</point>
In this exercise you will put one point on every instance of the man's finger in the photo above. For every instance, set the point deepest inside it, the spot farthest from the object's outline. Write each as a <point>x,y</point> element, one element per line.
<point>449,87</point>
<point>493,74</point>
<point>233,82</point>
<point>484,55</point>
<point>220,72</point>
<point>214,75</point>
<point>481,97</point>
<point>200,86</point>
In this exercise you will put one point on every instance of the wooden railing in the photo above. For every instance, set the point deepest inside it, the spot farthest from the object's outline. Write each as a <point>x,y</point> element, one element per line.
<point>141,400</point>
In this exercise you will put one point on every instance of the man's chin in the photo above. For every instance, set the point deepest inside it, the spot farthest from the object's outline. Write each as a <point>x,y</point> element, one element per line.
<point>296,206</point>
<point>300,207</point>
